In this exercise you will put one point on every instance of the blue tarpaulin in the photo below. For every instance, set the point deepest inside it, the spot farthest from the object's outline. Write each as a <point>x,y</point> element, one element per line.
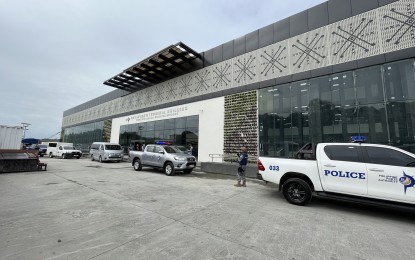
<point>30,141</point>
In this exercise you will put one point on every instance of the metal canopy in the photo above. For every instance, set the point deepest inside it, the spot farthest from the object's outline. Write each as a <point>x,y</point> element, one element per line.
<point>168,63</point>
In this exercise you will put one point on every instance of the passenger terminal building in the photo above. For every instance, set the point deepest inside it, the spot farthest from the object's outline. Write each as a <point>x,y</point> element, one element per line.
<point>340,69</point>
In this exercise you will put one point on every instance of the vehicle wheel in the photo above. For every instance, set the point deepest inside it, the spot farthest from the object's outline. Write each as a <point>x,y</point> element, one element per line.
<point>168,169</point>
<point>41,155</point>
<point>100,159</point>
<point>296,191</point>
<point>51,155</point>
<point>78,157</point>
<point>92,158</point>
<point>63,156</point>
<point>137,165</point>
<point>188,171</point>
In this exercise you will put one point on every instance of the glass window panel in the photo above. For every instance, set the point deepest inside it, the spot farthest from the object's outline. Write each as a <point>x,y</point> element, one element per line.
<point>192,121</point>
<point>159,134</point>
<point>342,89</point>
<point>399,80</point>
<point>169,134</point>
<point>180,136</point>
<point>169,123</point>
<point>373,123</point>
<point>300,112</point>
<point>266,118</point>
<point>265,100</point>
<point>369,88</point>
<point>321,107</point>
<point>401,121</point>
<point>180,122</point>
<point>159,125</point>
<point>142,127</point>
<point>150,126</point>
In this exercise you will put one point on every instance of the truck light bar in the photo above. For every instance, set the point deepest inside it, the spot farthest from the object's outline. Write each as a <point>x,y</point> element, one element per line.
<point>358,139</point>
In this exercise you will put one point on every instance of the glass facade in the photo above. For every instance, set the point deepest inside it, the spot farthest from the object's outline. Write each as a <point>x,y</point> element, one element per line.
<point>84,135</point>
<point>377,102</point>
<point>180,131</point>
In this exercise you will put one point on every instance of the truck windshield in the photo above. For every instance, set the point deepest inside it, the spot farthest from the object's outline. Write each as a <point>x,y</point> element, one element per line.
<point>112,147</point>
<point>171,149</point>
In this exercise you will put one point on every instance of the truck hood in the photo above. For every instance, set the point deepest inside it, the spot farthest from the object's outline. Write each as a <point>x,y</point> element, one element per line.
<point>73,151</point>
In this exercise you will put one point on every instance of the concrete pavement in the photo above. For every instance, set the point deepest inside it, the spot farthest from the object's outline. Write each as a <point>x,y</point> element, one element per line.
<point>79,209</point>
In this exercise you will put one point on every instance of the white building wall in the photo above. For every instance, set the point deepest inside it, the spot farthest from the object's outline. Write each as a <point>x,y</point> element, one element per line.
<point>211,123</point>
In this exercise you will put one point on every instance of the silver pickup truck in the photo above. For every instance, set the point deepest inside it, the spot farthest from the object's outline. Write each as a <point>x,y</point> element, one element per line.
<point>166,157</point>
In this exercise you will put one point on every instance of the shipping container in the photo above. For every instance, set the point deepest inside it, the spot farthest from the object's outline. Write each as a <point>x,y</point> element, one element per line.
<point>11,137</point>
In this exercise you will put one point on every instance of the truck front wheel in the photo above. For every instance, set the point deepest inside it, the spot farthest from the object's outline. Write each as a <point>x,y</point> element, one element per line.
<point>297,191</point>
<point>137,165</point>
<point>168,169</point>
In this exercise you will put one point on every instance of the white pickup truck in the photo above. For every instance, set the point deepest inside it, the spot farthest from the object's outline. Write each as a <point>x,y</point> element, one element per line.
<point>167,157</point>
<point>359,172</point>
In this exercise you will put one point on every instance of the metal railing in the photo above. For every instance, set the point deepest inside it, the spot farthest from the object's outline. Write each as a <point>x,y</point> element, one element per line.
<point>231,157</point>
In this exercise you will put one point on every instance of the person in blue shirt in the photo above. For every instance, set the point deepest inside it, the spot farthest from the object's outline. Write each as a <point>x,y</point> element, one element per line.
<point>243,161</point>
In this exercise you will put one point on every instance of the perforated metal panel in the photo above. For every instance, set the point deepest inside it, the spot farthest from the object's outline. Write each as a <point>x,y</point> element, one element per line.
<point>309,51</point>
<point>184,86</point>
<point>202,81</point>
<point>222,76</point>
<point>170,90</point>
<point>354,38</point>
<point>245,69</point>
<point>397,25</point>
<point>273,61</point>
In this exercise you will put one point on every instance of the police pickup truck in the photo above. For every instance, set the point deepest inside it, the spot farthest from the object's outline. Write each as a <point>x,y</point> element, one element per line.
<point>359,172</point>
<point>167,157</point>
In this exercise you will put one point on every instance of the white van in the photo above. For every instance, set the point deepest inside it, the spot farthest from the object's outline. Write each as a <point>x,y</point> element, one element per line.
<point>64,150</point>
<point>102,151</point>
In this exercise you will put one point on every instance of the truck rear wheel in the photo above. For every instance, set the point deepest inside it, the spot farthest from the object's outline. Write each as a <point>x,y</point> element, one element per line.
<point>137,165</point>
<point>297,191</point>
<point>50,155</point>
<point>168,169</point>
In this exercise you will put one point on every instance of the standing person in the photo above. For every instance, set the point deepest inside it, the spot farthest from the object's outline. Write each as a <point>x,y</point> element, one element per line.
<point>243,161</point>
<point>190,149</point>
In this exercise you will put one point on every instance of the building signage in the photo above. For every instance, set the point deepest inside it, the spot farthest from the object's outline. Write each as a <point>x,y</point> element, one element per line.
<point>158,115</point>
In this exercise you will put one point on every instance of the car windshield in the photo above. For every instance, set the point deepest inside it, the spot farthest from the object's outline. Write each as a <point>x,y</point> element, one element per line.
<point>112,147</point>
<point>68,147</point>
<point>181,148</point>
<point>172,149</point>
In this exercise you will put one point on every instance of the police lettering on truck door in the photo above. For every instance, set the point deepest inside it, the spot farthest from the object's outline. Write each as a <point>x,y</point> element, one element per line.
<point>342,169</point>
<point>390,174</point>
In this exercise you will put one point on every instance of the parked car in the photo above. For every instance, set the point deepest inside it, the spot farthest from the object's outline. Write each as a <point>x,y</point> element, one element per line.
<point>166,157</point>
<point>42,149</point>
<point>103,151</point>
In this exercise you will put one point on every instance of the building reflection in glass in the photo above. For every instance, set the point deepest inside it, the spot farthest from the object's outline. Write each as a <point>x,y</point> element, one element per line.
<point>377,102</point>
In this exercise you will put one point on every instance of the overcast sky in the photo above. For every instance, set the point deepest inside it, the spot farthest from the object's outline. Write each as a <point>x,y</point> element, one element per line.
<point>55,54</point>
